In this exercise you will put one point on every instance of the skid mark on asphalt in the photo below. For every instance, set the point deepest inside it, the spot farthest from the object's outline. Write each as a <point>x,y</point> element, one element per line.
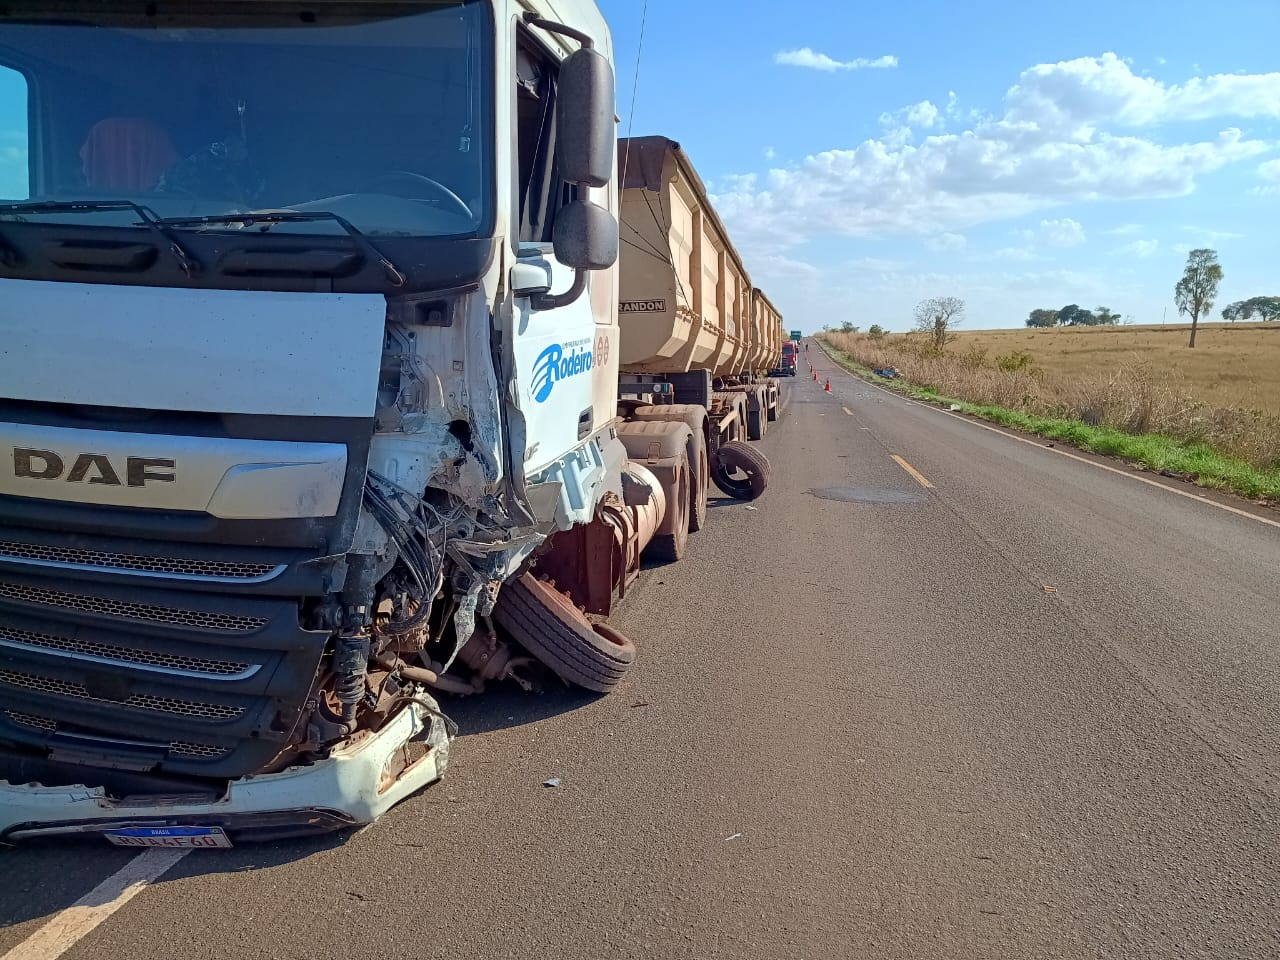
<point>916,475</point>
<point>65,929</point>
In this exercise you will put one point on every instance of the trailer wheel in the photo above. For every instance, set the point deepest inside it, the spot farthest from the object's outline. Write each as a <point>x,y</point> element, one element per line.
<point>701,482</point>
<point>742,471</point>
<point>546,623</point>
<point>755,424</point>
<point>670,546</point>
<point>773,407</point>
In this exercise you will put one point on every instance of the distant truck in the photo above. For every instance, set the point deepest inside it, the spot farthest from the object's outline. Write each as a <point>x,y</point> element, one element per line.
<point>790,360</point>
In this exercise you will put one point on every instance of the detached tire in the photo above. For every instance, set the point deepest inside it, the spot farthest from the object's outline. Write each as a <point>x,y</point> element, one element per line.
<point>742,471</point>
<point>547,624</point>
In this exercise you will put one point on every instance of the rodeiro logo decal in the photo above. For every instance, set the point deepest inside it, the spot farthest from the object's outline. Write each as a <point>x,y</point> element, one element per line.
<point>553,365</point>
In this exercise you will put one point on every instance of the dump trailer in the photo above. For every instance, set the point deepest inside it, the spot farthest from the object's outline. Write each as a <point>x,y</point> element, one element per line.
<point>309,401</point>
<point>696,336</point>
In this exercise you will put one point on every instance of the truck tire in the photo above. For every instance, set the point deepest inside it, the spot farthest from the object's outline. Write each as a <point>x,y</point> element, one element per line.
<point>755,424</point>
<point>742,471</point>
<point>670,546</point>
<point>701,475</point>
<point>776,397</point>
<point>547,624</point>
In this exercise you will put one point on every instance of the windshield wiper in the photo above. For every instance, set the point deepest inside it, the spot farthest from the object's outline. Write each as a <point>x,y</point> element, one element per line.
<point>189,264</point>
<point>394,274</point>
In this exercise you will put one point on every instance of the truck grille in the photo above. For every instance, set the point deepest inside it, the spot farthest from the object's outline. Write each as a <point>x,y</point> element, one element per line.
<point>179,748</point>
<point>197,751</point>
<point>131,563</point>
<point>104,606</point>
<point>43,724</point>
<point>123,655</point>
<point>172,705</point>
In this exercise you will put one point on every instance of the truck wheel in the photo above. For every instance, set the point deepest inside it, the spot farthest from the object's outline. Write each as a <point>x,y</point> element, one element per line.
<point>755,424</point>
<point>547,624</point>
<point>670,546</point>
<point>773,407</point>
<point>701,482</point>
<point>742,471</point>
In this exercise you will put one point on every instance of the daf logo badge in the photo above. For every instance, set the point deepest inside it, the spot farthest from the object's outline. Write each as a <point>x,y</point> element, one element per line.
<point>92,468</point>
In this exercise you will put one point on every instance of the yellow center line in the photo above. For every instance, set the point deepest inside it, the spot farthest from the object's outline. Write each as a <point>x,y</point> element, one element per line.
<point>847,410</point>
<point>919,477</point>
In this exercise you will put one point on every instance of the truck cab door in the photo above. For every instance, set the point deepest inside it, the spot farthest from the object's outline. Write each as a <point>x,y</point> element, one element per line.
<point>554,353</point>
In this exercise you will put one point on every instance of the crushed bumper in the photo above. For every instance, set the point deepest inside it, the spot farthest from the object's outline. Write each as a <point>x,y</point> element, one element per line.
<point>358,783</point>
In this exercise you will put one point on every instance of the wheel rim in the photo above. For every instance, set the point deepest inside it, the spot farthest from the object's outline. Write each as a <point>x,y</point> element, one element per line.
<point>559,603</point>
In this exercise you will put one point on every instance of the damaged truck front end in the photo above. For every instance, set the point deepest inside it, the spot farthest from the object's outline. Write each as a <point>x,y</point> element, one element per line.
<point>263,435</point>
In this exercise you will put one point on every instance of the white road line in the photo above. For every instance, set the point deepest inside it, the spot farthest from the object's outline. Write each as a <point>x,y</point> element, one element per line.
<point>1040,444</point>
<point>73,924</point>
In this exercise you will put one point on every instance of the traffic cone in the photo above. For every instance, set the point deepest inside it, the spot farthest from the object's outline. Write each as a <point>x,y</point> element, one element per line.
<point>828,386</point>
<point>815,378</point>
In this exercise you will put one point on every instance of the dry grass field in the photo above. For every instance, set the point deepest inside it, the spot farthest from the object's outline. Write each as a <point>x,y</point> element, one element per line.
<point>1232,365</point>
<point>1137,380</point>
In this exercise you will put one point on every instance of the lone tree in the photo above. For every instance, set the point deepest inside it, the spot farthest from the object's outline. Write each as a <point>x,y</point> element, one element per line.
<point>1043,318</point>
<point>1194,293</point>
<point>1074,315</point>
<point>937,317</point>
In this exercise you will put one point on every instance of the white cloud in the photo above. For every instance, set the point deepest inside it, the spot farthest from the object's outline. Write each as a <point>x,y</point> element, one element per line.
<point>923,114</point>
<point>770,153</point>
<point>1125,230</point>
<point>1138,248</point>
<point>813,60</point>
<point>1213,236</point>
<point>1270,170</point>
<point>1058,233</point>
<point>1017,254</point>
<point>1073,97</point>
<point>877,265</point>
<point>1161,60</point>
<point>1007,165</point>
<point>776,266</point>
<point>946,242</point>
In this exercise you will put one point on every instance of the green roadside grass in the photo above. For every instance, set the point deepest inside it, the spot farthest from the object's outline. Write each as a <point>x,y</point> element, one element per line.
<point>1197,462</point>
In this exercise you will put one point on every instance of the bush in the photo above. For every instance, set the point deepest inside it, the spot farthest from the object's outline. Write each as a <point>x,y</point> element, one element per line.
<point>1012,362</point>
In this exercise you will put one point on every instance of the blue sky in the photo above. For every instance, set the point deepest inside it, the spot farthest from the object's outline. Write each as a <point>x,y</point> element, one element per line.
<point>1016,155</point>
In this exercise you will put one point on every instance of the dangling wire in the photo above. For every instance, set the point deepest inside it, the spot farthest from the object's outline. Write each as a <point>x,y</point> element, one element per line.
<point>635,85</point>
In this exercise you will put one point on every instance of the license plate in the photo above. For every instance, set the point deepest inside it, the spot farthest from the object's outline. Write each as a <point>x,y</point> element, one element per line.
<point>186,837</point>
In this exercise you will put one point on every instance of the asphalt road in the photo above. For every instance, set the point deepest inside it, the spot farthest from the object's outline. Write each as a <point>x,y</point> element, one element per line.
<point>1028,711</point>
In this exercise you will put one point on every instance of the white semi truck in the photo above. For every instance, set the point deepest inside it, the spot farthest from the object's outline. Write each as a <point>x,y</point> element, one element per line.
<point>309,388</point>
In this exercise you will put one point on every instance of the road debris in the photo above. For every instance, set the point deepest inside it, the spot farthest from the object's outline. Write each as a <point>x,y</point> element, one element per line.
<point>734,837</point>
<point>553,782</point>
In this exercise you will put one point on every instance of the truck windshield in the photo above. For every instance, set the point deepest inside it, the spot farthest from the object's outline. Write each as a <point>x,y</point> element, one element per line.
<point>377,112</point>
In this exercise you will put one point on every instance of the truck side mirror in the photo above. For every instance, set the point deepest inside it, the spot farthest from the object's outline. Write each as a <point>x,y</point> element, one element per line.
<point>584,119</point>
<point>585,236</point>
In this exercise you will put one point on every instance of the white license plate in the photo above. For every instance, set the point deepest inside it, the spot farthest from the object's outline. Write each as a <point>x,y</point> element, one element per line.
<point>186,837</point>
